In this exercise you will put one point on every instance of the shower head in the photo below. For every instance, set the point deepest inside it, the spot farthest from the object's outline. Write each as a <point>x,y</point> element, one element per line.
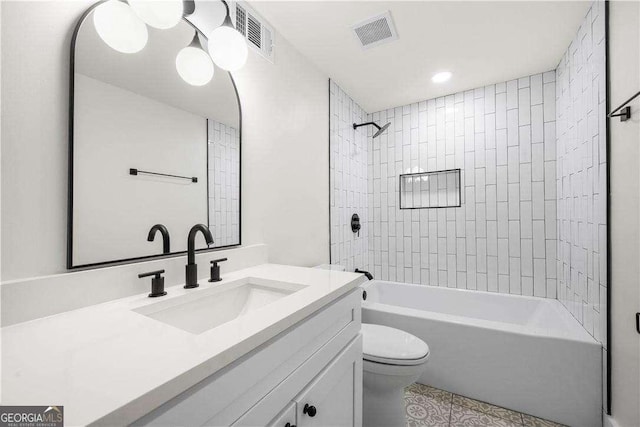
<point>380,129</point>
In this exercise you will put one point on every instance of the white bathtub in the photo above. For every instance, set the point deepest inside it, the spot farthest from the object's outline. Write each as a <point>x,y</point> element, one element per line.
<point>523,353</point>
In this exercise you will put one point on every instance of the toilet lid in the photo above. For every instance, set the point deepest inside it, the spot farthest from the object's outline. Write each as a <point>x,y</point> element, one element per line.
<point>392,346</point>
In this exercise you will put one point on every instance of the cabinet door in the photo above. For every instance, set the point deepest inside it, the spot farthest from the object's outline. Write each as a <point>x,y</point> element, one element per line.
<point>334,397</point>
<point>286,418</point>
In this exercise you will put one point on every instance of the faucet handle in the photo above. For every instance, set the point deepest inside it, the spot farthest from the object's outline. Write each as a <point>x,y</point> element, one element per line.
<point>156,273</point>
<point>157,283</point>
<point>215,270</point>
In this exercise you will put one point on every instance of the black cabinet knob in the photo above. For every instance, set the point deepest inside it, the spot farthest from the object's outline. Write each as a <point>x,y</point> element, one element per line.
<point>309,410</point>
<point>289,425</point>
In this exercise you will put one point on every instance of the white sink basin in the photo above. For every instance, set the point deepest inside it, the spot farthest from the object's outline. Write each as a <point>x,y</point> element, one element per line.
<point>201,310</point>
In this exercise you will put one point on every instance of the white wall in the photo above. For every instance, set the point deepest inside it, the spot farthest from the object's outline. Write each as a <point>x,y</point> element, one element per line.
<point>115,130</point>
<point>284,136</point>
<point>285,156</point>
<point>502,239</point>
<point>624,66</point>
<point>0,180</point>
<point>34,135</point>
<point>348,181</point>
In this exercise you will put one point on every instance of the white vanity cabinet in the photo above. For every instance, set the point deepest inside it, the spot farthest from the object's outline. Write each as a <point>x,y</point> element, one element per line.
<point>317,363</point>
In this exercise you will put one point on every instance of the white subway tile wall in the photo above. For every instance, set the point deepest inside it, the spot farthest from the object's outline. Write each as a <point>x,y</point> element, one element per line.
<point>348,180</point>
<point>582,175</point>
<point>224,185</point>
<point>503,238</point>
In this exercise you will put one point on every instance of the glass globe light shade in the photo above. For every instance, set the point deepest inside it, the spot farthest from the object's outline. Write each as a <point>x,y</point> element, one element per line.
<point>194,66</point>
<point>228,48</point>
<point>119,27</point>
<point>162,14</point>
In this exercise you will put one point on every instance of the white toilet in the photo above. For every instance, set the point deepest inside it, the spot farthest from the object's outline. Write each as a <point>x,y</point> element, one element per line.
<point>393,359</point>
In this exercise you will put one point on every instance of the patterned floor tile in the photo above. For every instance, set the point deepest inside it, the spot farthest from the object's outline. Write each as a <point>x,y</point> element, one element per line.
<point>531,421</point>
<point>496,411</point>
<point>462,416</point>
<point>440,396</point>
<point>427,406</point>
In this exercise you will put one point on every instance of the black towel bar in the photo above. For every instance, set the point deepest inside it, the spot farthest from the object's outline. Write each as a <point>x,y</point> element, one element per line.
<point>133,171</point>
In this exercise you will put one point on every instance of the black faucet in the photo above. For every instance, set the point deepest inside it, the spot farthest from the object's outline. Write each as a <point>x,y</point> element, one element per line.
<point>366,273</point>
<point>166,243</point>
<point>191,278</point>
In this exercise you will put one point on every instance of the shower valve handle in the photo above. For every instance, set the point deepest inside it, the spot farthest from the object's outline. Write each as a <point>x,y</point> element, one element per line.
<point>309,410</point>
<point>355,224</point>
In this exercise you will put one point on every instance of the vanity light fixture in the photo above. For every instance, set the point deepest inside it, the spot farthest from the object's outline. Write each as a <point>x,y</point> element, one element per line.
<point>119,27</point>
<point>227,46</point>
<point>161,14</point>
<point>194,64</point>
<point>441,77</point>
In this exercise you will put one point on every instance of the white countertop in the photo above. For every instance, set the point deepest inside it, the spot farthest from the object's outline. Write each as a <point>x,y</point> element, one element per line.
<point>110,365</point>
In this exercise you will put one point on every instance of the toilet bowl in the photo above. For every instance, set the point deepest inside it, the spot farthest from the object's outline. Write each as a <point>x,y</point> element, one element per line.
<point>393,359</point>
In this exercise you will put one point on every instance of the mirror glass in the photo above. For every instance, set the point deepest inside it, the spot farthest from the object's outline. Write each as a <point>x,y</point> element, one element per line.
<point>132,113</point>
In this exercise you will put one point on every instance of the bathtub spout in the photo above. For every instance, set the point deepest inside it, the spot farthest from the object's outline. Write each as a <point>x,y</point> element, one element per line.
<point>366,273</point>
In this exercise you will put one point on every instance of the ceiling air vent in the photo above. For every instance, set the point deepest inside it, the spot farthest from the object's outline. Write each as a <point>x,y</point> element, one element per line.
<point>254,28</point>
<point>375,31</point>
<point>254,31</point>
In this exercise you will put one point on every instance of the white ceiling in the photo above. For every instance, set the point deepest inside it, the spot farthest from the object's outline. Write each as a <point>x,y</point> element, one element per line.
<point>480,42</point>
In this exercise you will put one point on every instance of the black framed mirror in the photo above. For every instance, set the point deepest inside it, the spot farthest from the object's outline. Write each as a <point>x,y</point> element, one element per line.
<point>147,147</point>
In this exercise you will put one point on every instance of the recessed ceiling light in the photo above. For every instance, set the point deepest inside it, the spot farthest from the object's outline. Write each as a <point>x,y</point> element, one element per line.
<point>441,77</point>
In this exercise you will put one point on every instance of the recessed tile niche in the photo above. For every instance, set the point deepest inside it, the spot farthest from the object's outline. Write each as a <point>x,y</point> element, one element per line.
<point>437,189</point>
